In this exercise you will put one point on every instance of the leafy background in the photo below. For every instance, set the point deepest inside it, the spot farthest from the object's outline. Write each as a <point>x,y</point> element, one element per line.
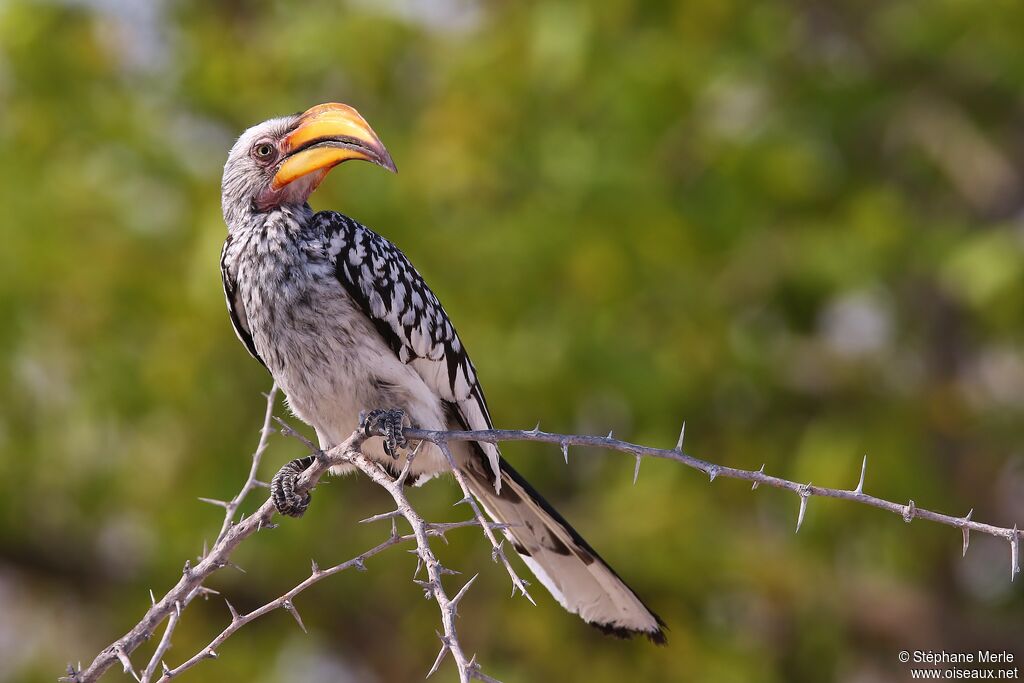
<point>798,226</point>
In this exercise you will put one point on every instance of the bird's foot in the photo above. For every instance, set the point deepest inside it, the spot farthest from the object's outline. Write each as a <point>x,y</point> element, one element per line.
<point>282,488</point>
<point>387,424</point>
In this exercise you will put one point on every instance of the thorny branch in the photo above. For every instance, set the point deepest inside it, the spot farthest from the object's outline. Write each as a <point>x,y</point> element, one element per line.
<point>230,508</point>
<point>171,605</point>
<point>232,533</point>
<point>432,587</point>
<point>909,511</point>
<point>497,548</point>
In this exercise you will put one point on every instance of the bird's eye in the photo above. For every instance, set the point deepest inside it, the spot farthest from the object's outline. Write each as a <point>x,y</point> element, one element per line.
<point>264,151</point>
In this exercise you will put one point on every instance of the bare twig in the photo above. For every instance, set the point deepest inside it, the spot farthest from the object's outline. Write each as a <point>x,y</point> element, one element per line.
<point>240,620</point>
<point>170,605</point>
<point>165,641</point>
<point>230,508</point>
<point>251,481</point>
<point>232,533</point>
<point>434,568</point>
<point>497,548</point>
<point>908,512</point>
<point>192,577</point>
<point>433,586</point>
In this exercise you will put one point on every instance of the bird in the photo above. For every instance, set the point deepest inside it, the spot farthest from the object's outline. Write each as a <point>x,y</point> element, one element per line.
<point>345,324</point>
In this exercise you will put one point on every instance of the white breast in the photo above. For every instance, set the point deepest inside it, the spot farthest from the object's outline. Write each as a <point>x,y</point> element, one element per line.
<point>325,354</point>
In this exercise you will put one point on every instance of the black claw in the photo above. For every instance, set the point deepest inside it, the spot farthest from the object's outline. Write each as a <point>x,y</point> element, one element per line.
<point>387,424</point>
<point>282,488</point>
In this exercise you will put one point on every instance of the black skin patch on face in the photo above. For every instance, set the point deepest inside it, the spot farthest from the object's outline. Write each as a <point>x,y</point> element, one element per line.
<point>521,549</point>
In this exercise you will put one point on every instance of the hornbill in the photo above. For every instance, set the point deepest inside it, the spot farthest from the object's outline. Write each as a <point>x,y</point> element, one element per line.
<point>343,321</point>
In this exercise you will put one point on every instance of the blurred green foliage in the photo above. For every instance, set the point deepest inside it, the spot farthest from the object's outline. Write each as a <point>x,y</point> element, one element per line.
<point>796,225</point>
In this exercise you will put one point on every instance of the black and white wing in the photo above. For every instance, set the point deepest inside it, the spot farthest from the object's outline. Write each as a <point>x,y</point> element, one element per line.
<point>235,308</point>
<point>389,290</point>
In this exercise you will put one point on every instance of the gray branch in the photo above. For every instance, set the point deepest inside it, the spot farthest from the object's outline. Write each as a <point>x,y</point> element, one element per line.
<point>169,608</point>
<point>230,508</point>
<point>497,548</point>
<point>909,511</point>
<point>285,602</point>
<point>422,530</point>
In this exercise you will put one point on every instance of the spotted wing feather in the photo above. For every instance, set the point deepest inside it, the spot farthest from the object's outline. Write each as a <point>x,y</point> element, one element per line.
<point>390,291</point>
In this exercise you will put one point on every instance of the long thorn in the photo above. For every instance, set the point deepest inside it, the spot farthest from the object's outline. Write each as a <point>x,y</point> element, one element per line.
<point>753,487</point>
<point>967,531</point>
<point>439,659</point>
<point>636,470</point>
<point>462,592</point>
<point>383,515</point>
<point>287,604</point>
<point>805,493</point>
<point>863,470</point>
<point>1014,553</point>
<point>231,608</point>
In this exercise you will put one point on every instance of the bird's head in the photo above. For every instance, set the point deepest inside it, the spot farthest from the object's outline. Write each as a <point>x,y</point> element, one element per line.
<point>281,161</point>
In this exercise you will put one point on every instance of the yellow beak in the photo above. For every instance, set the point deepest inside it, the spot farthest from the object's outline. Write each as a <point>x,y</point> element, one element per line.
<point>327,135</point>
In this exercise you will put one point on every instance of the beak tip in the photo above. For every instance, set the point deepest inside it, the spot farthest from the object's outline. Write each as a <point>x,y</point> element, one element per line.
<point>385,160</point>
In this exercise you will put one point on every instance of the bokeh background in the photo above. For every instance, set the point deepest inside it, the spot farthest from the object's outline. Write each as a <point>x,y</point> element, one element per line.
<point>796,225</point>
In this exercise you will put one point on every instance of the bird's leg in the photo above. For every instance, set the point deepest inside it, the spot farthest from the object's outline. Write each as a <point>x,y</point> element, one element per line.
<point>282,488</point>
<point>388,424</point>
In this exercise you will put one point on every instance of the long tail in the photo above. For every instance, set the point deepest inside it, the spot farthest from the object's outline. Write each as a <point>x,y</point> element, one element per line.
<point>568,567</point>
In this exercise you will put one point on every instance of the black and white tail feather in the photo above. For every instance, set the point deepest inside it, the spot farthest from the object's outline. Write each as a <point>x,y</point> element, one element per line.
<point>561,559</point>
